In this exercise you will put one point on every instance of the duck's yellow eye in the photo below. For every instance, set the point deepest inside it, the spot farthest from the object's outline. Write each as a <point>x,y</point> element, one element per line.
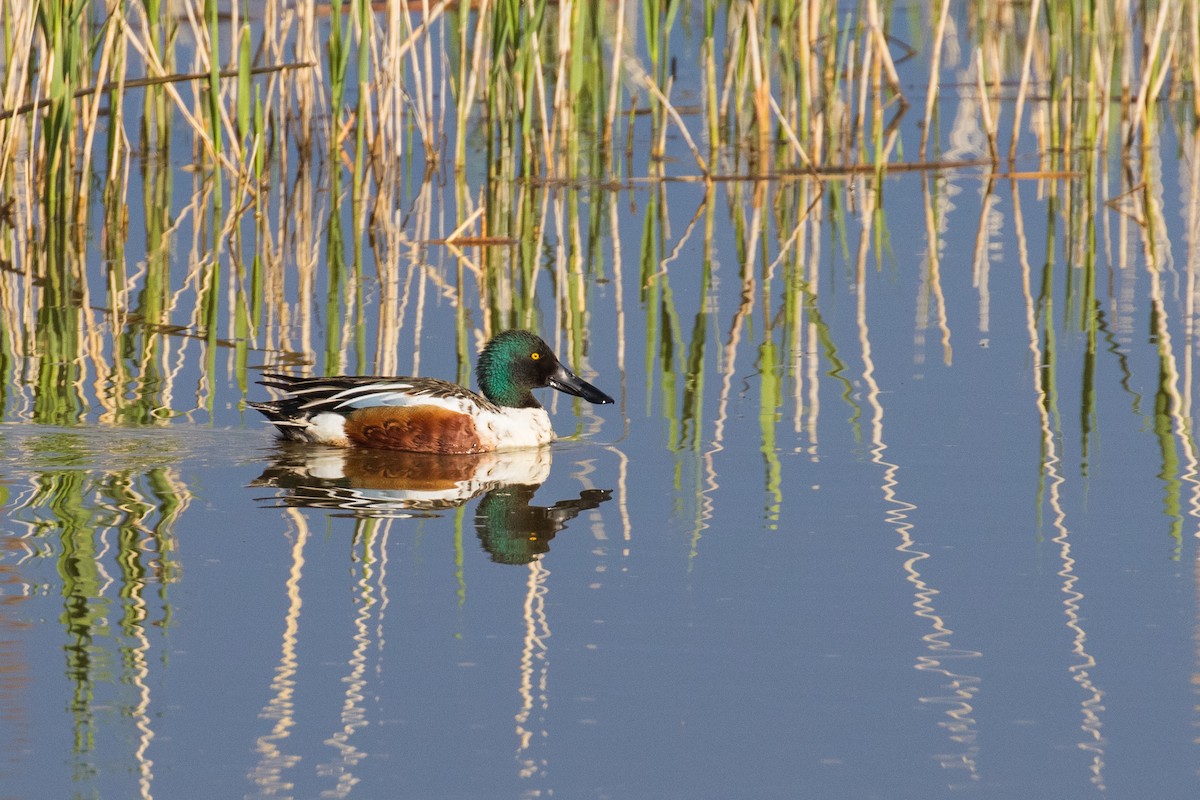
<point>535,355</point>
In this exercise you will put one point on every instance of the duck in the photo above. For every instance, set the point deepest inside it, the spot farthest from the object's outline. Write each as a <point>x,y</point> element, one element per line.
<point>429,415</point>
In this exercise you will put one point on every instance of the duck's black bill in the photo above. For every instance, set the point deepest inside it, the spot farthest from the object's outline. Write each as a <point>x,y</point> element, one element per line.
<point>566,381</point>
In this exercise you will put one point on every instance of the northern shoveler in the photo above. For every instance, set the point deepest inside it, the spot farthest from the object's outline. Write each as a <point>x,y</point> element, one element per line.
<point>427,415</point>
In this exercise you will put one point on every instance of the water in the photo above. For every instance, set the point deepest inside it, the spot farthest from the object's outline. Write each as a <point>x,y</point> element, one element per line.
<point>873,516</point>
<point>934,578</point>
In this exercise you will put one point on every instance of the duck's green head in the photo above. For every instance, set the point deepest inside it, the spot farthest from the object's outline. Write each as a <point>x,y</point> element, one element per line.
<point>515,362</point>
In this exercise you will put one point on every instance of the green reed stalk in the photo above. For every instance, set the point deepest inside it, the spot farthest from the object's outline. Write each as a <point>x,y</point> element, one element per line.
<point>153,300</point>
<point>474,61</point>
<point>585,85</point>
<point>339,59</point>
<point>244,96</point>
<point>336,271</point>
<point>530,92</point>
<point>210,307</point>
<point>157,113</point>
<point>708,56</point>
<point>658,17</point>
<point>214,97</point>
<point>261,202</point>
<point>115,143</point>
<point>64,26</point>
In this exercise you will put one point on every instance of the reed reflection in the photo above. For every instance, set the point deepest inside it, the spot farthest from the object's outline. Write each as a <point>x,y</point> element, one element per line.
<point>1051,486</point>
<point>957,689</point>
<point>107,534</point>
<point>16,671</point>
<point>365,483</point>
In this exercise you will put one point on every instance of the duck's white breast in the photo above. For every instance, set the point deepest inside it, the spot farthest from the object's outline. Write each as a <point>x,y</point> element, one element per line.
<point>512,428</point>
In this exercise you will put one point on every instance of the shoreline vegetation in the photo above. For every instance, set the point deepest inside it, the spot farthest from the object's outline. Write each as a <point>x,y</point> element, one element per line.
<point>294,183</point>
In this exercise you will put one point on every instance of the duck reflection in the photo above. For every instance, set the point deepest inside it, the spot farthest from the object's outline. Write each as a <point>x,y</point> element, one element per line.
<point>393,484</point>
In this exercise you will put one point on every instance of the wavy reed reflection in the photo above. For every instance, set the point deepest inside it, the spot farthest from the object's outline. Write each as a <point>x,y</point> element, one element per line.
<point>961,726</point>
<point>107,528</point>
<point>371,536</point>
<point>1050,485</point>
<point>534,671</point>
<point>274,762</point>
<point>16,711</point>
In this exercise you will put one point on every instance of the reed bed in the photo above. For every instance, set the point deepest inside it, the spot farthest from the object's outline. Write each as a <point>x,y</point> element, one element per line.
<point>335,173</point>
<point>555,91</point>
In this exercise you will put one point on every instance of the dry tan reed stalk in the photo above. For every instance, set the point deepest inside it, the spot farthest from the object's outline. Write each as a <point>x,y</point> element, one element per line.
<point>389,239</point>
<point>762,87</point>
<point>880,42</point>
<point>426,21</point>
<point>1192,260</point>
<point>466,223</point>
<point>1150,56</point>
<point>1019,106</point>
<point>148,54</point>
<point>210,60</point>
<point>421,69</point>
<point>119,161</point>
<point>985,106</point>
<point>1165,62</point>
<point>614,76</point>
<point>467,96</point>
<point>935,69</point>
<point>92,110</point>
<point>310,103</point>
<point>858,121</point>
<point>727,81</point>
<point>1194,53</point>
<point>390,92</point>
<point>16,76</point>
